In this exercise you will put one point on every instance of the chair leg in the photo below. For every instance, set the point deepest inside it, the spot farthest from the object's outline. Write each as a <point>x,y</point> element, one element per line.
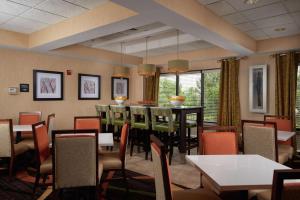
<point>125,179</point>
<point>37,181</point>
<point>131,144</point>
<point>44,178</point>
<point>11,166</point>
<point>189,141</point>
<point>171,148</point>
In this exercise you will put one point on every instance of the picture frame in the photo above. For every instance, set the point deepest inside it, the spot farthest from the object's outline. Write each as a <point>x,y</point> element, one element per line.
<point>48,85</point>
<point>24,87</point>
<point>89,87</point>
<point>119,87</point>
<point>258,88</point>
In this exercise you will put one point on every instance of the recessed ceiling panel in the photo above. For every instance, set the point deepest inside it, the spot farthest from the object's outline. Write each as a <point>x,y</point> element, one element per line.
<point>42,16</point>
<point>12,8</point>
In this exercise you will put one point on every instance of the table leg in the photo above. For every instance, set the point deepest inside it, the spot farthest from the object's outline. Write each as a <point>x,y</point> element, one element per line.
<point>182,132</point>
<point>18,136</point>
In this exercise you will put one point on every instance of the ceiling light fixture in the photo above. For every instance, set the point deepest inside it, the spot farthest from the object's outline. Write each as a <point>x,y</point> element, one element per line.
<point>146,69</point>
<point>121,71</point>
<point>250,2</point>
<point>178,65</point>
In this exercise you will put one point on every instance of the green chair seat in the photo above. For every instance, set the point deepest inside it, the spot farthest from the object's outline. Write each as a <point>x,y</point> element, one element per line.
<point>103,120</point>
<point>142,113</point>
<point>139,125</point>
<point>104,112</point>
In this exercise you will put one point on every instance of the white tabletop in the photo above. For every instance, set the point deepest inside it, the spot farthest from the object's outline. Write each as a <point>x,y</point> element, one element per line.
<point>284,135</point>
<point>236,172</point>
<point>17,128</point>
<point>104,139</point>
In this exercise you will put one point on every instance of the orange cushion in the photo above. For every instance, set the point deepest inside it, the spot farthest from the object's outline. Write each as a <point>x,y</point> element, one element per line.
<point>282,125</point>
<point>87,123</point>
<point>42,140</point>
<point>28,119</point>
<point>219,143</point>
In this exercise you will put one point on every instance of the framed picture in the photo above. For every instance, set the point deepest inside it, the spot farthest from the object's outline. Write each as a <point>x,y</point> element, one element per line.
<point>119,87</point>
<point>258,88</point>
<point>89,87</point>
<point>48,85</point>
<point>24,87</point>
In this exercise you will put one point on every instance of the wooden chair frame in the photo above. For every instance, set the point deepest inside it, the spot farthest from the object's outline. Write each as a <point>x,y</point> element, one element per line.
<point>70,131</point>
<point>243,122</point>
<point>52,115</point>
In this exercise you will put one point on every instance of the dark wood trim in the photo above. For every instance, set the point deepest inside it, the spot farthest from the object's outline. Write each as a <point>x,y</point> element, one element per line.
<point>112,87</point>
<point>243,122</point>
<point>79,87</point>
<point>87,117</point>
<point>278,178</point>
<point>164,166</point>
<point>70,131</point>
<point>35,98</point>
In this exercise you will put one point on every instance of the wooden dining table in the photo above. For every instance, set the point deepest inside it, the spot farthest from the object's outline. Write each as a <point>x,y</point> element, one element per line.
<point>181,112</point>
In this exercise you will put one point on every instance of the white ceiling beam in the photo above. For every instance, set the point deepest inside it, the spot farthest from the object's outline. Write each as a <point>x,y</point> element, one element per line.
<point>100,43</point>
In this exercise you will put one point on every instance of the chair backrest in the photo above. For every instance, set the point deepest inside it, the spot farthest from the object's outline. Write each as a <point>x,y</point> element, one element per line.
<point>29,118</point>
<point>6,138</point>
<point>161,170</point>
<point>260,137</point>
<point>286,191</point>
<point>41,141</point>
<point>123,141</point>
<point>157,112</point>
<point>87,122</point>
<point>50,124</point>
<point>139,111</point>
<point>75,158</point>
<point>219,140</point>
<point>104,112</point>
<point>118,111</point>
<point>283,122</point>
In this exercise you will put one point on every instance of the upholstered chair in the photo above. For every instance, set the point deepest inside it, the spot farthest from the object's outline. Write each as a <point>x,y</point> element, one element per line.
<point>162,176</point>
<point>104,112</point>
<point>283,124</point>
<point>8,148</point>
<point>28,118</point>
<point>42,151</point>
<point>87,122</point>
<point>260,137</point>
<point>75,159</point>
<point>50,125</point>
<point>283,188</point>
<point>166,128</point>
<point>115,160</point>
<point>140,123</point>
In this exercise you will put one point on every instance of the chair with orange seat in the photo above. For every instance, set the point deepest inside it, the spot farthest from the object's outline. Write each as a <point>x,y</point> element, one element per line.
<point>8,148</point>
<point>115,160</point>
<point>283,124</point>
<point>28,118</point>
<point>219,140</point>
<point>163,178</point>
<point>281,189</point>
<point>42,151</point>
<point>87,122</point>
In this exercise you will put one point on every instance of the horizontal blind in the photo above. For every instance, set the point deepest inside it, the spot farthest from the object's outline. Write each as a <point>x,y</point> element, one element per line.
<point>167,88</point>
<point>190,87</point>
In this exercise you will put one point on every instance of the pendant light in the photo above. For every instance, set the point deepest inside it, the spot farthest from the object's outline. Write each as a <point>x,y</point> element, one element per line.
<point>178,65</point>
<point>146,69</point>
<point>121,71</point>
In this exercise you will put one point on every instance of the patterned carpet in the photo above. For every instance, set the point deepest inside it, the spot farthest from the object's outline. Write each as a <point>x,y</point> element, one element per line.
<point>140,188</point>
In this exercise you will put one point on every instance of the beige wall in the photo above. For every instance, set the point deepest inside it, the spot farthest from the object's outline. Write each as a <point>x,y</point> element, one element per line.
<point>16,67</point>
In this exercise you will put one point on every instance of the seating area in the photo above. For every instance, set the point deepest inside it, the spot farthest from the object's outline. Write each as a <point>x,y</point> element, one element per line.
<point>149,99</point>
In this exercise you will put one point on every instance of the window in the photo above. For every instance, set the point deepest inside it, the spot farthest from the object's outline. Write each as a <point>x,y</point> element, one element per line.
<point>298,100</point>
<point>199,88</point>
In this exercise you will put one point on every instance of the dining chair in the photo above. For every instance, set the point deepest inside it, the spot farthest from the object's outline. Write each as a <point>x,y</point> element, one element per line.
<point>87,122</point>
<point>260,137</point>
<point>75,160</point>
<point>162,175</point>
<point>50,125</point>
<point>281,189</point>
<point>283,124</point>
<point>219,140</point>
<point>28,118</point>
<point>140,123</point>
<point>115,160</point>
<point>42,151</point>
<point>8,148</point>
<point>104,112</point>
<point>166,129</point>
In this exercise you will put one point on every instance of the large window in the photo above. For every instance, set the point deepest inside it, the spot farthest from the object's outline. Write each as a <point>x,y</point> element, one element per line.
<point>199,88</point>
<point>298,100</point>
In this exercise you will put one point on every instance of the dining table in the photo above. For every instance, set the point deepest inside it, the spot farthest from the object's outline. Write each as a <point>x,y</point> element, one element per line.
<point>236,172</point>
<point>285,135</point>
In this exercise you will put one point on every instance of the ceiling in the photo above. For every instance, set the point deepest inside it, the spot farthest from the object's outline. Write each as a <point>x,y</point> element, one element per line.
<point>162,39</point>
<point>27,16</point>
<point>263,20</point>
